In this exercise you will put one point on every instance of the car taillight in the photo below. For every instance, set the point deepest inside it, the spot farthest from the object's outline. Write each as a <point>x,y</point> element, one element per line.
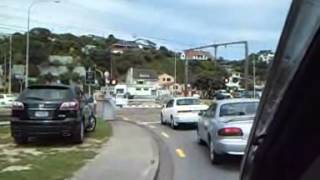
<point>231,131</point>
<point>72,105</point>
<point>16,105</point>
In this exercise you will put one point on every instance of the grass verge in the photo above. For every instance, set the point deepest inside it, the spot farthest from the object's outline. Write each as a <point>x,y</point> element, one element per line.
<point>53,159</point>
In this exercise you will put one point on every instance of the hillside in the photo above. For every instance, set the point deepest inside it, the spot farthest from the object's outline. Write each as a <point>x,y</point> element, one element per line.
<point>44,43</point>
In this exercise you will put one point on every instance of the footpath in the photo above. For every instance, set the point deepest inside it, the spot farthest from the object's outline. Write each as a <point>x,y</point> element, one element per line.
<point>130,154</point>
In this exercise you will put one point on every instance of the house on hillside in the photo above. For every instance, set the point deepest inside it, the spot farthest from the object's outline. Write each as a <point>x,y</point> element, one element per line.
<point>196,55</point>
<point>233,82</point>
<point>58,65</point>
<point>266,56</point>
<point>142,82</point>
<point>121,46</point>
<point>87,48</point>
<point>165,80</point>
<point>61,60</point>
<point>145,44</point>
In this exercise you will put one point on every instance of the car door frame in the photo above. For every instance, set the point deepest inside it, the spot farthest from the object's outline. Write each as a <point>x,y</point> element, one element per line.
<point>293,48</point>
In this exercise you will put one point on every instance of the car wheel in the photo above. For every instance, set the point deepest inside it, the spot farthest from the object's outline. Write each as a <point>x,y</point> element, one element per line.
<point>161,119</point>
<point>21,140</point>
<point>199,139</point>
<point>92,124</point>
<point>173,124</point>
<point>78,135</point>
<point>214,157</point>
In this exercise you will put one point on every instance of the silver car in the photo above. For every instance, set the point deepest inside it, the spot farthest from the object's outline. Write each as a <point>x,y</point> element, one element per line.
<point>225,127</point>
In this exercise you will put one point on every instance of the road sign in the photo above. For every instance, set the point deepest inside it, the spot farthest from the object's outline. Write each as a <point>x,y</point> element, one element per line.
<point>90,77</point>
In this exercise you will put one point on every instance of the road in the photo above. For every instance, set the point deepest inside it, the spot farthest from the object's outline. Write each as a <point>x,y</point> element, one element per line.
<point>181,158</point>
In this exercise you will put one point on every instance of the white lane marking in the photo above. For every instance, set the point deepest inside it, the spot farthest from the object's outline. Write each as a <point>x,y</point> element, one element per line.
<point>180,153</point>
<point>147,123</point>
<point>152,122</point>
<point>152,127</point>
<point>165,135</point>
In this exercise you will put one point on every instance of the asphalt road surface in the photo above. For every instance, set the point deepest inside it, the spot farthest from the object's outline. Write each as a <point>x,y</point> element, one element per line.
<point>181,158</point>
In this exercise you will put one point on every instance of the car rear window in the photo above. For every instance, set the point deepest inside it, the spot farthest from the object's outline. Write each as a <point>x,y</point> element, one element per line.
<point>45,93</point>
<point>187,102</point>
<point>239,109</point>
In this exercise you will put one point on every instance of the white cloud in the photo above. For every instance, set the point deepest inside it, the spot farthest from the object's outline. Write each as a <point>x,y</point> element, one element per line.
<point>185,21</point>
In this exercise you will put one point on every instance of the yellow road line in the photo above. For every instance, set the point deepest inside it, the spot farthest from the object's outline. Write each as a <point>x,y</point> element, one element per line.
<point>152,127</point>
<point>165,134</point>
<point>180,153</point>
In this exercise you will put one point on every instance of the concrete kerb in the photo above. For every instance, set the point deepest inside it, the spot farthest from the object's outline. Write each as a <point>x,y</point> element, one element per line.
<point>153,171</point>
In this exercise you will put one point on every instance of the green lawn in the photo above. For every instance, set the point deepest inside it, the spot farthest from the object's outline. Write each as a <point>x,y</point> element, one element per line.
<point>52,160</point>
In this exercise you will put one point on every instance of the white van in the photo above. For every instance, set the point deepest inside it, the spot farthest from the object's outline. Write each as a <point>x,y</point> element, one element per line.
<point>120,89</point>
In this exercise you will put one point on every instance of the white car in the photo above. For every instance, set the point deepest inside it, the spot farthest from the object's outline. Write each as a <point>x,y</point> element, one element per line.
<point>6,100</point>
<point>182,110</point>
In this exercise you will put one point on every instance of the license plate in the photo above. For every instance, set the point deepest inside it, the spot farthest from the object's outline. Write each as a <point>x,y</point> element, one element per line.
<point>41,114</point>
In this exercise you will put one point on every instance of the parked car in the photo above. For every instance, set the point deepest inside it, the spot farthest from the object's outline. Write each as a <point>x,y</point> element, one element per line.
<point>225,127</point>
<point>45,110</point>
<point>222,94</point>
<point>182,110</point>
<point>6,100</point>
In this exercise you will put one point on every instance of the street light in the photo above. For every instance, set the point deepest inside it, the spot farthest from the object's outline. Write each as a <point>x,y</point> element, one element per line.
<point>28,37</point>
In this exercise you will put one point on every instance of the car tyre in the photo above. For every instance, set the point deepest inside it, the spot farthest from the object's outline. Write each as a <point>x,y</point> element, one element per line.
<point>162,120</point>
<point>199,139</point>
<point>173,126</point>
<point>214,157</point>
<point>92,124</point>
<point>78,135</point>
<point>21,140</point>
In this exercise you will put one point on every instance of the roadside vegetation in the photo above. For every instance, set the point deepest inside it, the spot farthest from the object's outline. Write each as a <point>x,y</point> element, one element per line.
<point>49,159</point>
<point>204,75</point>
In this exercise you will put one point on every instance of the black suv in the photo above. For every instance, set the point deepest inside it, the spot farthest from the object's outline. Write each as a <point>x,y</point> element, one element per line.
<point>44,110</point>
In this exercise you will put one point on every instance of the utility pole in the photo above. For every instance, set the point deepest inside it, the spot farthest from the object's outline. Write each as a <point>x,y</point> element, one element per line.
<point>254,78</point>
<point>5,66</point>
<point>111,66</point>
<point>186,73</point>
<point>175,73</point>
<point>246,49</point>
<point>10,64</point>
<point>215,53</point>
<point>246,65</point>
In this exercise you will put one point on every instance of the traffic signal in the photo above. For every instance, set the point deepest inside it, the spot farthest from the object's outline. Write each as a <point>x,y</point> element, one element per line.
<point>113,82</point>
<point>226,80</point>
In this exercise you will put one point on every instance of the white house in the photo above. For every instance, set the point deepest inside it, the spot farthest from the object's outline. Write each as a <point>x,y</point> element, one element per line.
<point>233,82</point>
<point>142,82</point>
<point>266,56</point>
<point>196,55</point>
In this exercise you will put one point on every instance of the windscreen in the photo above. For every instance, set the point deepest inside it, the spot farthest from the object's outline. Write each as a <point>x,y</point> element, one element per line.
<point>187,102</point>
<point>238,109</point>
<point>49,94</point>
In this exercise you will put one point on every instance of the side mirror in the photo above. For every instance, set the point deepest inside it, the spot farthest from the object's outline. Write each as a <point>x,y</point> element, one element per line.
<point>164,106</point>
<point>200,113</point>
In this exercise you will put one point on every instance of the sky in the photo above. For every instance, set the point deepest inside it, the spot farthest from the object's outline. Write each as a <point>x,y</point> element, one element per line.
<point>177,24</point>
